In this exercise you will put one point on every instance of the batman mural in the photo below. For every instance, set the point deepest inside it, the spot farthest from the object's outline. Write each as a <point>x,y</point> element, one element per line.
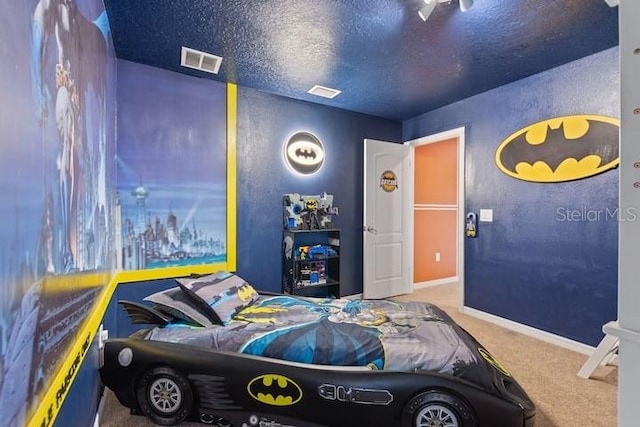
<point>561,149</point>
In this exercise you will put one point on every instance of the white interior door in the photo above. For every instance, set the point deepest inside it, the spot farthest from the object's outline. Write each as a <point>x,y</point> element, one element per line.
<point>388,219</point>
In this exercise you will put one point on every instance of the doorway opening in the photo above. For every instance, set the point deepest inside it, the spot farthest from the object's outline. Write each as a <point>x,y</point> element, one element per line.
<point>438,210</point>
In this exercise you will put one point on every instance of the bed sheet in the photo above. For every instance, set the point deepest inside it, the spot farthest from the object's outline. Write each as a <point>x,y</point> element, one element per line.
<point>380,334</point>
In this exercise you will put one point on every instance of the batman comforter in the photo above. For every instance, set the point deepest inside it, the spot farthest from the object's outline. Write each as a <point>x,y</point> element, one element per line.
<point>380,334</point>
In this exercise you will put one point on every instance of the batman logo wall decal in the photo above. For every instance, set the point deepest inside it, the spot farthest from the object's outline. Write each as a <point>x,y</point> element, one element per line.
<point>275,390</point>
<point>304,153</point>
<point>561,149</point>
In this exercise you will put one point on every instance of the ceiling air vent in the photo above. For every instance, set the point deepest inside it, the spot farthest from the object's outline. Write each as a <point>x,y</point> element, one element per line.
<point>323,91</point>
<point>192,58</point>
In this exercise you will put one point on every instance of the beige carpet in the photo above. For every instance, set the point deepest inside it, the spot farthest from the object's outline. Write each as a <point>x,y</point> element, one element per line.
<point>546,372</point>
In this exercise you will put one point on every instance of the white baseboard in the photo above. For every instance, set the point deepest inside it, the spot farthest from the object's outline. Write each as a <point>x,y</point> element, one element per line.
<point>96,423</point>
<point>437,282</point>
<point>354,296</point>
<point>532,332</point>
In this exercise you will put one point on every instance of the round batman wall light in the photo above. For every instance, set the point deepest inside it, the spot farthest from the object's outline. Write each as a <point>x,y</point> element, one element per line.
<point>304,153</point>
<point>561,149</point>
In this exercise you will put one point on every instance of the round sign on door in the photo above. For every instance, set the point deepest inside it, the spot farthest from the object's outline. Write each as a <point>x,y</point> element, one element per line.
<point>388,181</point>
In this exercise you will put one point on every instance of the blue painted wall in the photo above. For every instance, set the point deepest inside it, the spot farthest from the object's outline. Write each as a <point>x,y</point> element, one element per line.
<point>531,265</point>
<point>265,123</point>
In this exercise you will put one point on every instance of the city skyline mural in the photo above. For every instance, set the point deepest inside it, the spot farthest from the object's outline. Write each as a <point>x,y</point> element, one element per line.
<point>171,169</point>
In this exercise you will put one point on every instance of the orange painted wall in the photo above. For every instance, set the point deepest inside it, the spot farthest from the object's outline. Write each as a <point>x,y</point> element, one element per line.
<point>436,170</point>
<point>435,229</point>
<point>435,232</point>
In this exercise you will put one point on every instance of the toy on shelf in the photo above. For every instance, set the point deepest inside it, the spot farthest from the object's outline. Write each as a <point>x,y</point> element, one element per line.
<point>312,273</point>
<point>307,212</point>
<point>303,252</point>
<point>315,252</point>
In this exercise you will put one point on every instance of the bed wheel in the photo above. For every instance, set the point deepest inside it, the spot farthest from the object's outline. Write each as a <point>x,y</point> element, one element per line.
<point>436,408</point>
<point>164,396</point>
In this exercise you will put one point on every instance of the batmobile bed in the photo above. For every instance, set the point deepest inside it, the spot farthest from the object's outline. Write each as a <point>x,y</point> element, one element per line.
<point>290,361</point>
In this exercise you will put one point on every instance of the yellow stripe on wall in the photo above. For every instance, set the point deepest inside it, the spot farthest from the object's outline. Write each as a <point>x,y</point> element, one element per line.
<point>232,123</point>
<point>75,281</point>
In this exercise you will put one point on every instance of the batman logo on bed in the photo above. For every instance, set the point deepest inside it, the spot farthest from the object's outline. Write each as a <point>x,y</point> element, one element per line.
<point>275,389</point>
<point>561,149</point>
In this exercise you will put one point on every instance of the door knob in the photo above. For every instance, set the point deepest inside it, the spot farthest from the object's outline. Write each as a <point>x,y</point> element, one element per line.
<point>369,229</point>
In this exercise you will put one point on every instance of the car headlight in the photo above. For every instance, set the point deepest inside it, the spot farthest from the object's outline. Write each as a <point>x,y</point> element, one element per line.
<point>125,357</point>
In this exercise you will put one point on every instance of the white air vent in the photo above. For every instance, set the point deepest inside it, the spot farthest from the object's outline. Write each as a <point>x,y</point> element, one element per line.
<point>323,91</point>
<point>192,58</point>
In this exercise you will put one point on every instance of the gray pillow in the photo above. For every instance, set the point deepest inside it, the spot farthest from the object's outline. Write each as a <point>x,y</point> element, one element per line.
<point>220,295</point>
<point>176,303</point>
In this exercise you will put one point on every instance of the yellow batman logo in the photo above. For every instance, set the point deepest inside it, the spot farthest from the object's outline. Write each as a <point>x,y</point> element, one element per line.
<point>561,149</point>
<point>246,292</point>
<point>311,204</point>
<point>275,390</point>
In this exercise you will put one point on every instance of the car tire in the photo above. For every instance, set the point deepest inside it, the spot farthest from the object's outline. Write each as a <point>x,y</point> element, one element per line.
<point>437,408</point>
<point>164,396</point>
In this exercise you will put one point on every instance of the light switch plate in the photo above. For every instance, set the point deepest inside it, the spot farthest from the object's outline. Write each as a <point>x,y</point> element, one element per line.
<point>486,215</point>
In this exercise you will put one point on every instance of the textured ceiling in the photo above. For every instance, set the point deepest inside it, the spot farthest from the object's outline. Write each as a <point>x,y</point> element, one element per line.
<point>385,59</point>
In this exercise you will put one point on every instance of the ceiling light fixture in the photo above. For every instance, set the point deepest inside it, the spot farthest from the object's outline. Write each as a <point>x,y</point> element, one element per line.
<point>427,9</point>
<point>430,5</point>
<point>465,5</point>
